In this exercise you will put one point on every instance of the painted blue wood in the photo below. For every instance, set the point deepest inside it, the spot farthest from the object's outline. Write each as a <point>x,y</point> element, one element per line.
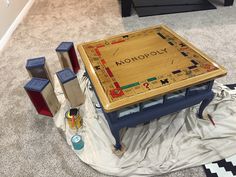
<point>36,84</point>
<point>65,75</point>
<point>191,98</point>
<point>35,63</point>
<point>64,47</point>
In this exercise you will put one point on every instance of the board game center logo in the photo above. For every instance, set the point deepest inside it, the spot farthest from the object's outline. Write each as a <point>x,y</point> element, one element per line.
<point>141,57</point>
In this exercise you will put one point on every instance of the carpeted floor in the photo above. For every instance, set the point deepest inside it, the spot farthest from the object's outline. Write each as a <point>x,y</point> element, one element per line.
<point>30,145</point>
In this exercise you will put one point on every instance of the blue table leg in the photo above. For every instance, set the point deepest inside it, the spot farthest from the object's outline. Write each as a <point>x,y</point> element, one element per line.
<point>116,134</point>
<point>204,104</point>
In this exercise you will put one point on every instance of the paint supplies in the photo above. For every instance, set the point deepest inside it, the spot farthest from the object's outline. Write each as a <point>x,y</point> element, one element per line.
<point>77,142</point>
<point>73,118</point>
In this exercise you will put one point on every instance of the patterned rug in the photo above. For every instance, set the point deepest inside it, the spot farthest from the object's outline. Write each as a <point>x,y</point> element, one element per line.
<point>221,168</point>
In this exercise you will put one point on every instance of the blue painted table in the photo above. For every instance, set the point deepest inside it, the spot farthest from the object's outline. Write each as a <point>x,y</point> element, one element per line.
<point>143,75</point>
<point>191,96</point>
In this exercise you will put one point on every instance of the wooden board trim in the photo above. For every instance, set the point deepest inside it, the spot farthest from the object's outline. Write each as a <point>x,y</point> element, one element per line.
<point>112,106</point>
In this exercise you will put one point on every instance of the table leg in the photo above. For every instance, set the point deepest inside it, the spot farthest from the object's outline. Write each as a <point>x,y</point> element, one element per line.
<point>204,104</point>
<point>126,7</point>
<point>228,2</point>
<point>116,135</point>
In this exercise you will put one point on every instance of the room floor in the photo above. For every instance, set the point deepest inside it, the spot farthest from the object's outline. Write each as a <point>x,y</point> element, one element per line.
<point>30,144</point>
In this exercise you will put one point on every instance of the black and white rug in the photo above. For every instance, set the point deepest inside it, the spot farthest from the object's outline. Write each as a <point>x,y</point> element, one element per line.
<point>221,168</point>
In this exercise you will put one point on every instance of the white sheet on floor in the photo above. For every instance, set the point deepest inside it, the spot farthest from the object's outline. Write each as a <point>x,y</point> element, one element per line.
<point>174,142</point>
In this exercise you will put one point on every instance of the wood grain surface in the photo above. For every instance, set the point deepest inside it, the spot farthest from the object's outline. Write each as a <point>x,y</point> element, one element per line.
<point>134,67</point>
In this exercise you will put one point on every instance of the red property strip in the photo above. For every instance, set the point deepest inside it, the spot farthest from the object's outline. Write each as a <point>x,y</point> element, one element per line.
<point>103,61</point>
<point>118,42</point>
<point>99,46</point>
<point>97,52</point>
<point>117,85</point>
<point>109,72</point>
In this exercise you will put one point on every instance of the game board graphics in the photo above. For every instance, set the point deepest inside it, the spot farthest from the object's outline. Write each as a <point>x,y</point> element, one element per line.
<point>121,62</point>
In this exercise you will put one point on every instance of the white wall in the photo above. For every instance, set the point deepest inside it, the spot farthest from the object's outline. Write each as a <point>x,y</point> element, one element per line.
<point>8,13</point>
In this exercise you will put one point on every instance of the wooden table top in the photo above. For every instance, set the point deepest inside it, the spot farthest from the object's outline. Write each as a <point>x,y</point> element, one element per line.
<point>133,67</point>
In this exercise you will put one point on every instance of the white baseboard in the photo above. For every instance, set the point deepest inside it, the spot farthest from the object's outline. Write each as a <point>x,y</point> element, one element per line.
<point>15,23</point>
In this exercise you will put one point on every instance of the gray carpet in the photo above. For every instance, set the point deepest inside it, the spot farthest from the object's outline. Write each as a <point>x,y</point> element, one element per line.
<point>30,145</point>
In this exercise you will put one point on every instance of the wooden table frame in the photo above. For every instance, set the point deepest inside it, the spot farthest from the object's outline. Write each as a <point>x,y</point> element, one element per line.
<point>176,96</point>
<point>155,112</point>
<point>110,106</point>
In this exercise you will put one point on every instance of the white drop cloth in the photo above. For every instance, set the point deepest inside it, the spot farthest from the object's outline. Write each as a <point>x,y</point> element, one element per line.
<point>174,142</point>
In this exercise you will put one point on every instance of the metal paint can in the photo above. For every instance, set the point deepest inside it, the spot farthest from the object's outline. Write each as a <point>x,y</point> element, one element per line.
<point>77,142</point>
<point>73,118</point>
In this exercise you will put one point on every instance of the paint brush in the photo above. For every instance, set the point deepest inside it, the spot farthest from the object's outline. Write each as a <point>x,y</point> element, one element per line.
<point>211,119</point>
